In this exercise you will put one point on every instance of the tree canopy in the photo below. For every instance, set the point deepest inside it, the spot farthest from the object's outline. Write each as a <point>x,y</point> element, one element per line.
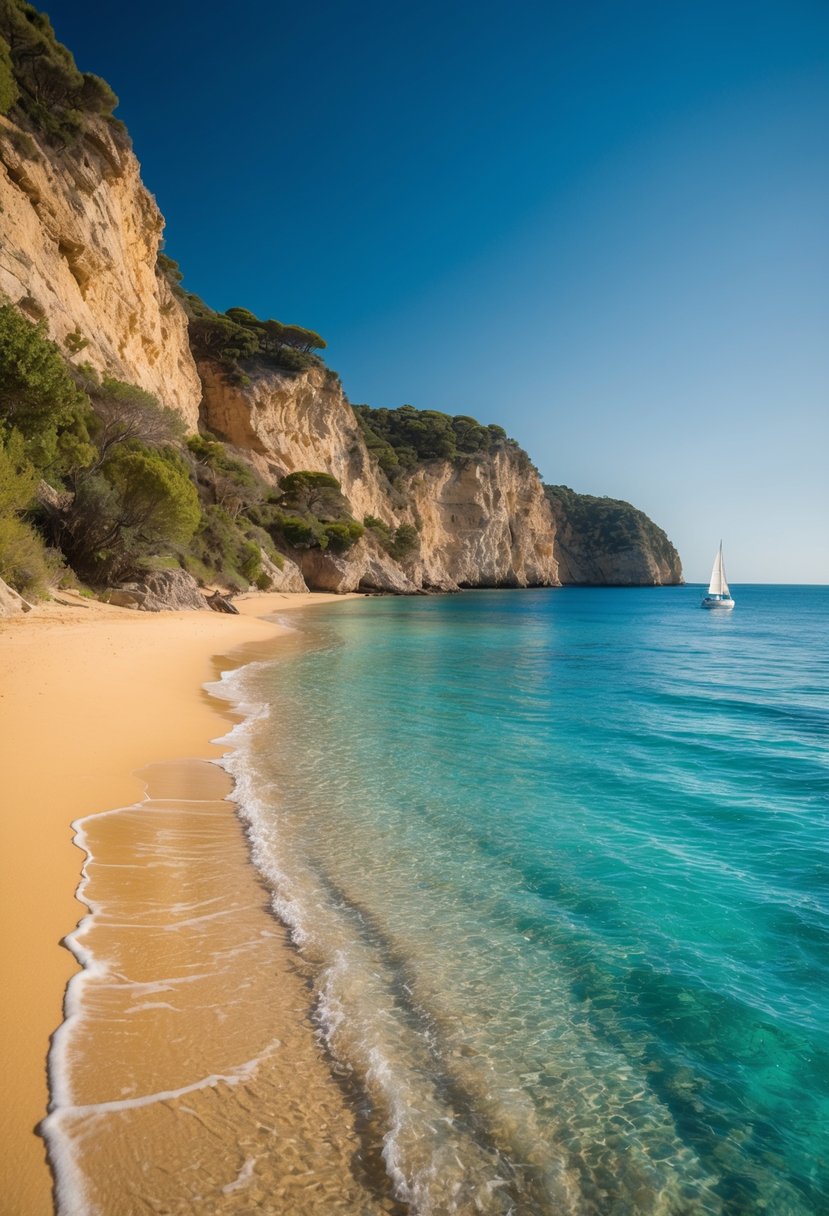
<point>403,438</point>
<point>233,337</point>
<point>39,75</point>
<point>39,398</point>
<point>608,523</point>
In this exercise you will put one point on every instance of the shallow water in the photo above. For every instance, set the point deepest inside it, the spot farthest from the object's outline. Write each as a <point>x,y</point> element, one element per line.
<point>557,864</point>
<point>186,1077</point>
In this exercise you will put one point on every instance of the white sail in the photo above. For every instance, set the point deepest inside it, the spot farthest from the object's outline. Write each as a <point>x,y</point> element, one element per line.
<point>718,585</point>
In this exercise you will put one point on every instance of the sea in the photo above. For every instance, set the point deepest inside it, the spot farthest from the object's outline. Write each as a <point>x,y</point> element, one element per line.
<point>558,863</point>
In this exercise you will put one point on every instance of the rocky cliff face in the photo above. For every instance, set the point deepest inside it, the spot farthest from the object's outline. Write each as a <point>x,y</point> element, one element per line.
<point>78,246</point>
<point>607,542</point>
<point>481,521</point>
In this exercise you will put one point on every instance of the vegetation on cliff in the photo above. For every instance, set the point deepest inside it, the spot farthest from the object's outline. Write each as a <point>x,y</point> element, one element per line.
<point>97,482</point>
<point>97,479</point>
<point>40,81</point>
<point>236,337</point>
<point>602,527</point>
<point>403,438</point>
<point>309,512</point>
<point>400,543</point>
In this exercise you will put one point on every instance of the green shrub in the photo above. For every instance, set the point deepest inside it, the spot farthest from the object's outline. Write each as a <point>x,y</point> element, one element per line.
<point>156,495</point>
<point>217,337</point>
<point>41,78</point>
<point>9,91</point>
<point>25,563</point>
<point>319,494</point>
<point>224,480</point>
<point>125,413</point>
<point>18,476</point>
<point>341,536</point>
<point>400,542</point>
<point>301,533</point>
<point>263,539</point>
<point>171,271</point>
<point>39,398</point>
<point>75,342</point>
<point>212,453</point>
<point>379,529</point>
<point>227,549</point>
<point>96,96</point>
<point>250,560</point>
<point>401,439</point>
<point>309,512</point>
<point>20,141</point>
<point>201,572</point>
<point>406,542</point>
<point>234,337</point>
<point>141,502</point>
<point>294,360</point>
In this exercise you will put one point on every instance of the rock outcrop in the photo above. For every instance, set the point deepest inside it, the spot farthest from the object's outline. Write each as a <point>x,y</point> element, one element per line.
<point>287,577</point>
<point>12,604</point>
<point>78,248</point>
<point>162,590</point>
<point>287,423</point>
<point>608,542</point>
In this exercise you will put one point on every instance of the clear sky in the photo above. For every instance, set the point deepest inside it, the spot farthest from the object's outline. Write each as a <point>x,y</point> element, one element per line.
<point>604,225</point>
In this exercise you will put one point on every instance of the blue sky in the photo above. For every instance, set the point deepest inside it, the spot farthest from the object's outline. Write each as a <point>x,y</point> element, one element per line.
<point>602,225</point>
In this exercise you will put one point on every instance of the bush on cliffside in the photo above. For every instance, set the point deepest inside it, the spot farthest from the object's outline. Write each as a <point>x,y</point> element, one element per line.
<point>25,563</point>
<point>235,337</point>
<point>9,91</point>
<point>40,399</point>
<point>611,525</point>
<point>140,503</point>
<point>127,491</point>
<point>309,512</point>
<point>223,479</point>
<point>40,79</point>
<point>402,439</point>
<point>225,550</point>
<point>400,543</point>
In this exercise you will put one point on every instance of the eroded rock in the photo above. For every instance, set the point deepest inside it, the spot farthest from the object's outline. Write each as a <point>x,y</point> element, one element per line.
<point>287,578</point>
<point>162,590</point>
<point>12,604</point>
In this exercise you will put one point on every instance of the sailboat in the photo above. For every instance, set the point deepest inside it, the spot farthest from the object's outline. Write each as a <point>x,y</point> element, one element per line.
<point>718,594</point>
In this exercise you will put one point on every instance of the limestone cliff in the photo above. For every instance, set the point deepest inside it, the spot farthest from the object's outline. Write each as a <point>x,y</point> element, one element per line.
<point>78,246</point>
<point>482,521</point>
<point>607,542</point>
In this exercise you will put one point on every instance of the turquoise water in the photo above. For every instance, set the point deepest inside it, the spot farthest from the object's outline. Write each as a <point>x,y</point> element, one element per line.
<point>559,862</point>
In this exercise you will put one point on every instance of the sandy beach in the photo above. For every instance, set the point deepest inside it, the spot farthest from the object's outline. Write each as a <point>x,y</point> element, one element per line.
<point>89,695</point>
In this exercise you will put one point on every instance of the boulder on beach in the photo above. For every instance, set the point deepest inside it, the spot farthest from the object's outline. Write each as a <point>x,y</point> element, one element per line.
<point>170,590</point>
<point>11,604</point>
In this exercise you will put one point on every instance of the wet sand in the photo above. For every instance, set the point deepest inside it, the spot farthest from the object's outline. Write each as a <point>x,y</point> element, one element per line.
<point>89,694</point>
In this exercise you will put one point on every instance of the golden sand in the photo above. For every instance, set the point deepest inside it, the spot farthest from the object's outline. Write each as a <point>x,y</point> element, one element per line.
<point>88,695</point>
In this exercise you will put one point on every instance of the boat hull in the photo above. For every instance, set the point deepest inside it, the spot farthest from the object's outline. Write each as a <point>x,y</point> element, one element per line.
<point>722,605</point>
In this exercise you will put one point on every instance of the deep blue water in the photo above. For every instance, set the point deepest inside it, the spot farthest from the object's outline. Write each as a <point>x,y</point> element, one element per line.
<point>559,862</point>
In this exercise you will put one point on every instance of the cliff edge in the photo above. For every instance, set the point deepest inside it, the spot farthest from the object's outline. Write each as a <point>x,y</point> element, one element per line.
<point>608,542</point>
<point>274,478</point>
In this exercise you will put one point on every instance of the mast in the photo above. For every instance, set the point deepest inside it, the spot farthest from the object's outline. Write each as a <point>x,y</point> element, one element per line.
<point>723,582</point>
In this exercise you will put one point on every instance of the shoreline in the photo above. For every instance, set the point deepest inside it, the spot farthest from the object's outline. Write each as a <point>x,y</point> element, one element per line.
<point>90,695</point>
